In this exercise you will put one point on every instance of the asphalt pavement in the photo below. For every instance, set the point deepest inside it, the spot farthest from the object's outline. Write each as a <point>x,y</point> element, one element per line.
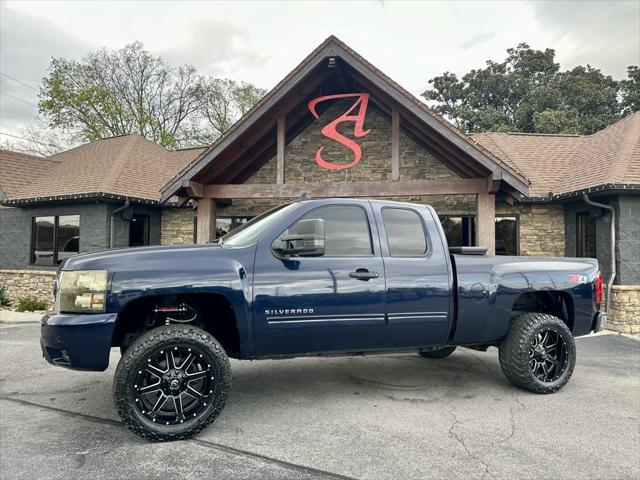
<point>377,417</point>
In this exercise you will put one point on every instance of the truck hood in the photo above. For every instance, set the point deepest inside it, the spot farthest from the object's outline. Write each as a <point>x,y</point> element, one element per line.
<point>148,258</point>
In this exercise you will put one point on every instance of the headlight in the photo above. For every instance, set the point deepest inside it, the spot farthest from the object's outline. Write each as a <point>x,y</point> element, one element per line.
<point>81,291</point>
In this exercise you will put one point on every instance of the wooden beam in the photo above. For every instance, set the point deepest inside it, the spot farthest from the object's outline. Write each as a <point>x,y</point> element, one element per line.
<point>280,141</point>
<point>494,182</point>
<point>486,222</point>
<point>383,188</point>
<point>206,222</point>
<point>395,144</point>
<point>193,189</point>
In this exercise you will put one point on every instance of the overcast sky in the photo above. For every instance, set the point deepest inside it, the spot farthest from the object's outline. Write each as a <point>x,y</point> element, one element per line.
<point>260,42</point>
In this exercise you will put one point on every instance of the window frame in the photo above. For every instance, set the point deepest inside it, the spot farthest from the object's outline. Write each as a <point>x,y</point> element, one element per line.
<point>517,217</point>
<point>471,228</point>
<point>427,245</point>
<point>32,243</point>
<point>579,239</point>
<point>147,229</point>
<point>349,205</point>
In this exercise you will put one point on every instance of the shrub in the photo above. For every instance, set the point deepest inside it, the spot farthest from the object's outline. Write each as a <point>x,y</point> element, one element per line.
<point>29,304</point>
<point>4,299</point>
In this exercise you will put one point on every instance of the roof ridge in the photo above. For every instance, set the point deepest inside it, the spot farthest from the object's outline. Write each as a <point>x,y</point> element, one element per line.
<point>536,134</point>
<point>629,145</point>
<point>115,170</point>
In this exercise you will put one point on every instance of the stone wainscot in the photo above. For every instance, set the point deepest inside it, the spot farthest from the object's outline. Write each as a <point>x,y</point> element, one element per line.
<point>28,283</point>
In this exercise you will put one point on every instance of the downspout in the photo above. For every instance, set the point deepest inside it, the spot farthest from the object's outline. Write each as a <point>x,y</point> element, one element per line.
<point>588,201</point>
<point>113,221</point>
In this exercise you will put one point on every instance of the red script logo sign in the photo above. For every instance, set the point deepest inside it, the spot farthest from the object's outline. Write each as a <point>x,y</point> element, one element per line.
<point>330,131</point>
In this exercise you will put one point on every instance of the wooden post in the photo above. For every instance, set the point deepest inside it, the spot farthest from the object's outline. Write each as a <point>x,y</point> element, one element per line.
<point>280,140</point>
<point>206,222</point>
<point>395,144</point>
<point>486,222</point>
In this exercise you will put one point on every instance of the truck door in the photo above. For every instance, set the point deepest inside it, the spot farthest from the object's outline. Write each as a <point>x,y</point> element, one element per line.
<point>328,303</point>
<point>417,276</point>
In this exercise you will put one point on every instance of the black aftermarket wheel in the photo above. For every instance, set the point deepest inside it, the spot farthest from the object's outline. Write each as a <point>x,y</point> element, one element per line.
<point>539,353</point>
<point>172,382</point>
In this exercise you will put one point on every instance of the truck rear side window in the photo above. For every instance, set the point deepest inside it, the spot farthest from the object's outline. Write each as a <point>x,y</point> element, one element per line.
<point>405,233</point>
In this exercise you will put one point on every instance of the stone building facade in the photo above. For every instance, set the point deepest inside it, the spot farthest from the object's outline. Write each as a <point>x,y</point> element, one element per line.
<point>530,189</point>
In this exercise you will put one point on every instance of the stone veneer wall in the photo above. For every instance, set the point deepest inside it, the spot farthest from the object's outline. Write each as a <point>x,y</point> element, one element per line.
<point>624,312</point>
<point>176,226</point>
<point>416,163</point>
<point>541,227</point>
<point>28,283</point>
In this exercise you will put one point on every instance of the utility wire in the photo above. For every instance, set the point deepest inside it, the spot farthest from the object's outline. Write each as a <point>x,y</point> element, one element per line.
<point>18,81</point>
<point>19,99</point>
<point>30,140</point>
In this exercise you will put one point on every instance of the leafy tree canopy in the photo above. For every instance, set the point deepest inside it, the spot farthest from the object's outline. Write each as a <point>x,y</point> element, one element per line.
<point>527,92</point>
<point>132,91</point>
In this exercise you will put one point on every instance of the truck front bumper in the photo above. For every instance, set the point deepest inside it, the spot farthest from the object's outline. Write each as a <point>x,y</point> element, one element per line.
<point>77,341</point>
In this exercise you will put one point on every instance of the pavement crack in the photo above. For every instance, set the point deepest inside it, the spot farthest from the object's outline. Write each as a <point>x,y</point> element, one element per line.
<point>460,440</point>
<point>204,443</point>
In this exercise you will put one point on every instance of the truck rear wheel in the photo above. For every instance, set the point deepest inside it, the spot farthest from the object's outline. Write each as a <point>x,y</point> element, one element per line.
<point>439,353</point>
<point>171,383</point>
<point>539,353</point>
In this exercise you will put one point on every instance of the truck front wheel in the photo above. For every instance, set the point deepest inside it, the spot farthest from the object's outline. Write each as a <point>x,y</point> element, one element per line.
<point>539,353</point>
<point>171,383</point>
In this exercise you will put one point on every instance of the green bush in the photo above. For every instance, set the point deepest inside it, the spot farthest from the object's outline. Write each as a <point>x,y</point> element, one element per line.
<point>29,304</point>
<point>4,299</point>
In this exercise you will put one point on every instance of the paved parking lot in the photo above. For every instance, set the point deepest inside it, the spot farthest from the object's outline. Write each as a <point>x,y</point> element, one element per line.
<point>383,417</point>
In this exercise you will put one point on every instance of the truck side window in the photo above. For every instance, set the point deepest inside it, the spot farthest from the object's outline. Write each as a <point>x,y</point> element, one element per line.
<point>346,230</point>
<point>405,233</point>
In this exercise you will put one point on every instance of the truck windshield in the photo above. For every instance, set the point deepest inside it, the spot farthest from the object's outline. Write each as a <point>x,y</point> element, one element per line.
<point>252,230</point>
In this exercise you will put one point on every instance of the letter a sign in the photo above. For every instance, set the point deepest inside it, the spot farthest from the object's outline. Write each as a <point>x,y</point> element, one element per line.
<point>329,130</point>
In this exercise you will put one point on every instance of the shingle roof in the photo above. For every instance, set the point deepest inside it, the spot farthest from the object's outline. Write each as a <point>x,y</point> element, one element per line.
<point>561,164</point>
<point>19,169</point>
<point>128,165</point>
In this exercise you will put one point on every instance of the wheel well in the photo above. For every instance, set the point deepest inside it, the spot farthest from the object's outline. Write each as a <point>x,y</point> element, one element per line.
<point>558,304</point>
<point>214,314</point>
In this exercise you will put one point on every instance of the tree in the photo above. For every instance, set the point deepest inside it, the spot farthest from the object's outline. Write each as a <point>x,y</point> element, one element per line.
<point>527,92</point>
<point>630,89</point>
<point>220,103</point>
<point>132,91</point>
<point>37,139</point>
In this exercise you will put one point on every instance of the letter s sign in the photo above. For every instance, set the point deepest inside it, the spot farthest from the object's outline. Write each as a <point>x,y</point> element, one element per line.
<point>331,132</point>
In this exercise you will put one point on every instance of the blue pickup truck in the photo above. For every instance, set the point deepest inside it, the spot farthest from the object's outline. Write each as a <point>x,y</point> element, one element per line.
<point>313,277</point>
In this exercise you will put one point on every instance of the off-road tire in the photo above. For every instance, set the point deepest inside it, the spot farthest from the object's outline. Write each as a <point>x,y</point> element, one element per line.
<point>514,351</point>
<point>439,353</point>
<point>135,358</point>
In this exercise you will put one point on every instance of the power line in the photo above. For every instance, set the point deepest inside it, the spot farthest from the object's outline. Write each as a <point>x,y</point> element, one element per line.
<point>18,81</point>
<point>19,99</point>
<point>30,140</point>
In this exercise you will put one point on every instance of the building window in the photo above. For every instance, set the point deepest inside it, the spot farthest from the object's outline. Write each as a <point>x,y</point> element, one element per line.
<point>459,231</point>
<point>507,241</point>
<point>225,225</point>
<point>54,239</point>
<point>586,230</point>
<point>139,231</point>
<point>405,233</point>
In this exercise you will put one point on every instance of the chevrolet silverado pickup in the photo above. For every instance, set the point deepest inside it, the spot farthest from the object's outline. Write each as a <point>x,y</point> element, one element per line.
<point>313,277</point>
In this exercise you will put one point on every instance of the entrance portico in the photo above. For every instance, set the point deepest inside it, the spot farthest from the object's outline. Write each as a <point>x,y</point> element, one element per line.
<point>337,127</point>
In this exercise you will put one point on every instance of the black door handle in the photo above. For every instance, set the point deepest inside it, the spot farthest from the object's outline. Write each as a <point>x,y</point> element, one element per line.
<point>363,274</point>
